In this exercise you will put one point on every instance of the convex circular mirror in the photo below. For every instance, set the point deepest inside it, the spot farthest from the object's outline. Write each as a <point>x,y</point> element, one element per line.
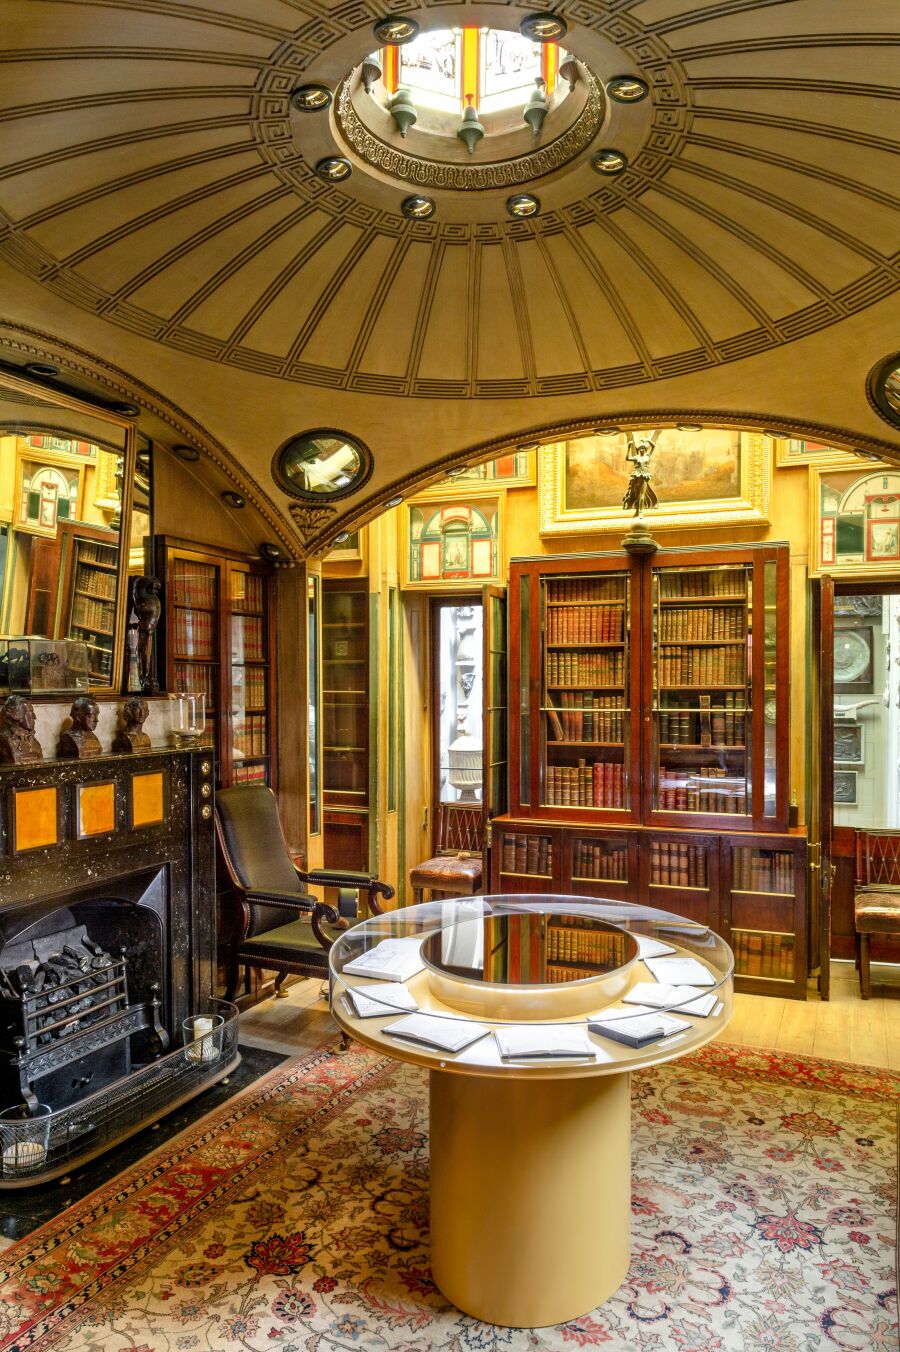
<point>322,464</point>
<point>884,386</point>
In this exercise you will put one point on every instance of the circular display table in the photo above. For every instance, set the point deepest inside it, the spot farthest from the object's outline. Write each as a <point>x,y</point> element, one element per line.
<point>530,1148</point>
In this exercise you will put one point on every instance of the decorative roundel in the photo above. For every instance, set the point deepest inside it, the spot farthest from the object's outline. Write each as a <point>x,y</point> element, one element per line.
<point>609,162</point>
<point>311,98</point>
<point>884,388</point>
<point>523,205</point>
<point>627,89</point>
<point>396,30</point>
<point>543,27</point>
<point>334,169</point>
<point>322,465</point>
<point>418,208</point>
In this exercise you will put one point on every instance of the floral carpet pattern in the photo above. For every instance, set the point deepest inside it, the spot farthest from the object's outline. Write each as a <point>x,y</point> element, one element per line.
<point>296,1217</point>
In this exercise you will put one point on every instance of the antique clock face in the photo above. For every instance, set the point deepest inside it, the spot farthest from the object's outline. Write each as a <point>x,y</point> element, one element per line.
<point>852,656</point>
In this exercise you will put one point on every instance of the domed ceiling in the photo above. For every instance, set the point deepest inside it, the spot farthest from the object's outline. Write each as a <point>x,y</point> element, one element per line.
<point>154,174</point>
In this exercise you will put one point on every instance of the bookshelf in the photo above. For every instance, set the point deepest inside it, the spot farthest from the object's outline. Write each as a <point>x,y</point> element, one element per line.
<point>92,590</point>
<point>648,734</point>
<point>217,639</point>
<point>345,723</point>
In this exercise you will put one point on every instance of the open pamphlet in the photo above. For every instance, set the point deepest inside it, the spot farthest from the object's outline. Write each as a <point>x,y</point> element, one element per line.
<point>638,1027</point>
<point>446,1035</point>
<point>544,1041</point>
<point>652,948</point>
<point>384,997</point>
<point>684,999</point>
<point>679,971</point>
<point>391,960</point>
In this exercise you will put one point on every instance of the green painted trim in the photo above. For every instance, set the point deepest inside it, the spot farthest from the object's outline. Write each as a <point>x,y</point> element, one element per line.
<point>401,749</point>
<point>374,807</point>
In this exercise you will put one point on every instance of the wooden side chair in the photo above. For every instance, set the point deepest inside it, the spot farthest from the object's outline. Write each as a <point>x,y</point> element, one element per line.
<point>282,928</point>
<point>457,869</point>
<point>876,900</point>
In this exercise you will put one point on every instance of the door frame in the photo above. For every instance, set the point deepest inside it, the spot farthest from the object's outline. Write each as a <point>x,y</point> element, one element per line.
<point>436,603</point>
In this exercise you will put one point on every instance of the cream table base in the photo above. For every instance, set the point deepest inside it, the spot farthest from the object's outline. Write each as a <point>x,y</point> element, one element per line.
<point>530,1194</point>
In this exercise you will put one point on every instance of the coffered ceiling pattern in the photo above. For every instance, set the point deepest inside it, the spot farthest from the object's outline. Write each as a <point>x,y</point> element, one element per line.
<point>151,174</point>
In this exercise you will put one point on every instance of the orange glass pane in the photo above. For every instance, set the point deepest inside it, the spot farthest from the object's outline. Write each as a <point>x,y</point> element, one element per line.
<point>470,50</point>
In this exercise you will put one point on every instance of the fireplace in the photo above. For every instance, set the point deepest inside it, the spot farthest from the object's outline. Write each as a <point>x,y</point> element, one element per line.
<point>107,944</point>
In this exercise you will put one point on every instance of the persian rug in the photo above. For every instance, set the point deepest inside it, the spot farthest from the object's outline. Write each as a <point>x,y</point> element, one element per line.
<point>296,1217</point>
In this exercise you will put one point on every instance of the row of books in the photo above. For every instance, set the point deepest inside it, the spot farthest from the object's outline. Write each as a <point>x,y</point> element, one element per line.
<point>522,852</point>
<point>197,679</point>
<point>593,859</point>
<point>702,666</point>
<point>90,614</point>
<point>699,792</point>
<point>195,583</point>
<point>250,774</point>
<point>720,622</point>
<point>246,592</point>
<point>249,688</point>
<point>586,589</point>
<point>95,581</point>
<point>247,639</point>
<point>567,943</point>
<point>596,784</point>
<point>723,725</point>
<point>706,582</point>
<point>762,870</point>
<point>556,976</point>
<point>250,735</point>
<point>195,632</point>
<point>92,551</point>
<point>585,669</point>
<point>585,624</point>
<point>587,718</point>
<point>769,955</point>
<point>676,865</point>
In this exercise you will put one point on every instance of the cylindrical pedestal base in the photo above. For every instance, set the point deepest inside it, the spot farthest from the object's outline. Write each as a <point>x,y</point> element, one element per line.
<point>530,1194</point>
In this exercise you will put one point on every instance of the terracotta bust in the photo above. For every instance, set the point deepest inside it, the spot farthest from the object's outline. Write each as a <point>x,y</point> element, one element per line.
<point>80,742</point>
<point>132,738</point>
<point>18,744</point>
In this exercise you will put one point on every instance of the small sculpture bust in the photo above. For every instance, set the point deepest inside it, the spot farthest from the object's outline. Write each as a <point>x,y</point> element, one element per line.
<point>132,738</point>
<point>80,742</point>
<point>18,744</point>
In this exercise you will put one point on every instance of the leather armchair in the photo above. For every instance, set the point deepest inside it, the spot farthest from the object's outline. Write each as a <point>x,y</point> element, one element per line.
<point>281,926</point>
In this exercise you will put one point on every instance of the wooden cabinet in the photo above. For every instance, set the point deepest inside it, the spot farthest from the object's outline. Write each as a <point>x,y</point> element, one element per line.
<point>649,744</point>
<point>217,639</point>
<point>345,723</point>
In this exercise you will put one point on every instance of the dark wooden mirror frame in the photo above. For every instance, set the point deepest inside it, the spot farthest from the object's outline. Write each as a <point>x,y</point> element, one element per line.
<point>16,384</point>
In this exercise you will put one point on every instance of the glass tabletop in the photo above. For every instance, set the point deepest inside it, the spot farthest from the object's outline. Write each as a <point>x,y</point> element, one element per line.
<point>483,983</point>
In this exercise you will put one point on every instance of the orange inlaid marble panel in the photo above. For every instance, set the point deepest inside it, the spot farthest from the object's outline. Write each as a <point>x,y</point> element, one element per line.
<point>96,809</point>
<point>148,799</point>
<point>36,821</point>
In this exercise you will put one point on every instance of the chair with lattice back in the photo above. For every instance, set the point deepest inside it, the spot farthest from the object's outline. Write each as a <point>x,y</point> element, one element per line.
<point>876,900</point>
<point>456,870</point>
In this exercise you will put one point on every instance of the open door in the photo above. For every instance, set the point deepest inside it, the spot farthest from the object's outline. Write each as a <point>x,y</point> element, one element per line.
<point>495,753</point>
<point>821,778</point>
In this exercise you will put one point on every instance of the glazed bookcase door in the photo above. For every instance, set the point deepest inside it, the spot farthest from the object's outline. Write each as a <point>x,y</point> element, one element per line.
<point>715,690</point>
<point>680,873</point>
<point>575,675</point>
<point>346,723</point>
<point>251,695</point>
<point>526,858</point>
<point>765,918</point>
<point>601,864</point>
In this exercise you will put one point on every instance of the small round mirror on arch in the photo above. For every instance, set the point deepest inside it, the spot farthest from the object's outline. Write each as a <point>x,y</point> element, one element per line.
<point>322,464</point>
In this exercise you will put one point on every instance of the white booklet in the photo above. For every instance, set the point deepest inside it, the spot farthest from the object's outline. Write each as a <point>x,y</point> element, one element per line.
<point>391,960</point>
<point>544,1041</point>
<point>447,1035</point>
<point>683,998</point>
<point>384,997</point>
<point>652,948</point>
<point>637,1027</point>
<point>680,971</point>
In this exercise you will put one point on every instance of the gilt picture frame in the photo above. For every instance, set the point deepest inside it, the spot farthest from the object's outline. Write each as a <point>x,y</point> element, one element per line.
<point>455,543</point>
<point>511,469</point>
<point>581,482</point>
<point>794,453</point>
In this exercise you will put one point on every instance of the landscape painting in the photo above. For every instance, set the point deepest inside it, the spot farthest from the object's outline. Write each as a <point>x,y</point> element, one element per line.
<point>686,466</point>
